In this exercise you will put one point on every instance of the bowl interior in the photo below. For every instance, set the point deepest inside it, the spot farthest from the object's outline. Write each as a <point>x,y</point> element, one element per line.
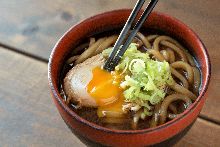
<point>115,20</point>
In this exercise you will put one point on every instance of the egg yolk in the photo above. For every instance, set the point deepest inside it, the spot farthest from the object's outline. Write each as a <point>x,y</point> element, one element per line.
<point>105,89</point>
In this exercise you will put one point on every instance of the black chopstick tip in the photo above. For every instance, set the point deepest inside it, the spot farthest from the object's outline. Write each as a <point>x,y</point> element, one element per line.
<point>118,52</point>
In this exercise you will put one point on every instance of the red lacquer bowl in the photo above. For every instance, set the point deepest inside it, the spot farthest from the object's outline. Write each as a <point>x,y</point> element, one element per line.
<point>93,134</point>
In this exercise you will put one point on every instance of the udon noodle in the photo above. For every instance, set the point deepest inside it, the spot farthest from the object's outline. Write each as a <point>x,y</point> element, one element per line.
<point>184,70</point>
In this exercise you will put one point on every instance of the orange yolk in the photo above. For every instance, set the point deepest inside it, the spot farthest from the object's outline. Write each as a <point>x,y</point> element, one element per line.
<point>105,89</point>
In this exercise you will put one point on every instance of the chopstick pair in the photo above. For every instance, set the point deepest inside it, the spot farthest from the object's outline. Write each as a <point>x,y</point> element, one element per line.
<point>120,48</point>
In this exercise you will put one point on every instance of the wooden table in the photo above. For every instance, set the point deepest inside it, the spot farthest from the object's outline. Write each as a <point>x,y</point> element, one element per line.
<point>28,31</point>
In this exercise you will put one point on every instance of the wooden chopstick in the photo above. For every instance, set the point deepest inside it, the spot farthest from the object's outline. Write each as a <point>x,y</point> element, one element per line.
<point>117,53</point>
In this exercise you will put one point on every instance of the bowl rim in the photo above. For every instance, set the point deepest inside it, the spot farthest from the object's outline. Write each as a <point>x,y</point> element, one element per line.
<point>57,96</point>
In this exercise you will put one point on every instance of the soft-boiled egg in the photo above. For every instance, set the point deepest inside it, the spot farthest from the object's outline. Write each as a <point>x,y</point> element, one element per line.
<point>105,89</point>
<point>91,86</point>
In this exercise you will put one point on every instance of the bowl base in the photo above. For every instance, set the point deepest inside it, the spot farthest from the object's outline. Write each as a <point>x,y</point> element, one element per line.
<point>169,142</point>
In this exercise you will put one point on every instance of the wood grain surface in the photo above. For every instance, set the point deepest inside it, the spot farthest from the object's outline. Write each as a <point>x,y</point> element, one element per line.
<point>202,134</point>
<point>27,115</point>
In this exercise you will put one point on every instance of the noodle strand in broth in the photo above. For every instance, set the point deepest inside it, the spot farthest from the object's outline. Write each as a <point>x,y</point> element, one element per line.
<point>171,55</point>
<point>185,66</point>
<point>168,100</point>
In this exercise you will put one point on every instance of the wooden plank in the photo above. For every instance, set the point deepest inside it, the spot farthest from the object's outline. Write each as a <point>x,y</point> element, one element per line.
<point>39,24</point>
<point>202,134</point>
<point>37,27</point>
<point>29,117</point>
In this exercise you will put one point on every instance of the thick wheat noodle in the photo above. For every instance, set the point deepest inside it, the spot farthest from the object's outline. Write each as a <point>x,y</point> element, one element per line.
<point>180,77</point>
<point>144,40</point>
<point>156,54</point>
<point>180,89</point>
<point>190,59</point>
<point>106,44</point>
<point>173,108</point>
<point>138,42</point>
<point>171,55</point>
<point>188,55</point>
<point>176,49</point>
<point>185,66</point>
<point>135,40</point>
<point>168,100</point>
<point>169,42</point>
<point>72,59</point>
<point>197,80</point>
<point>151,37</point>
<point>155,118</point>
<point>79,48</point>
<point>165,55</point>
<point>167,38</point>
<point>91,41</point>
<point>90,51</point>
